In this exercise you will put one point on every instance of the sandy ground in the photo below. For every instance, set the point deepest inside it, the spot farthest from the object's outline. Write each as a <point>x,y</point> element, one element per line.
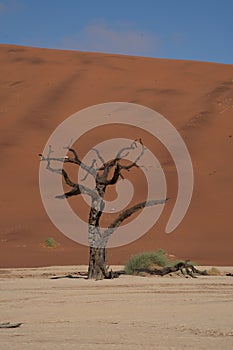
<point>126,313</point>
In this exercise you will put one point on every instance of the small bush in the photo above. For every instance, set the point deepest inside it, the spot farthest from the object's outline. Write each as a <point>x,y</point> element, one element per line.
<point>214,272</point>
<point>146,260</point>
<point>50,242</point>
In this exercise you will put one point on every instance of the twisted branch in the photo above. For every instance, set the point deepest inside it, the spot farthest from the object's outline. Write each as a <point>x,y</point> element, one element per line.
<point>127,213</point>
<point>76,188</point>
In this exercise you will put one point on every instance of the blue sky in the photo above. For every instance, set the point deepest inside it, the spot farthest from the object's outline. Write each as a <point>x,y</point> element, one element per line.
<point>180,29</point>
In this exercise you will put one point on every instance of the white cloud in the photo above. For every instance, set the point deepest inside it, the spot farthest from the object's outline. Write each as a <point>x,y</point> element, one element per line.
<point>119,37</point>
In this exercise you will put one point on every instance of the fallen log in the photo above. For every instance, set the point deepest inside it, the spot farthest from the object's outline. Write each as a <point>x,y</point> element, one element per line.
<point>186,268</point>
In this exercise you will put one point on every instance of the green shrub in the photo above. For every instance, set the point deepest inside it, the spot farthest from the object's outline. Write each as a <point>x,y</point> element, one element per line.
<point>146,260</point>
<point>50,242</point>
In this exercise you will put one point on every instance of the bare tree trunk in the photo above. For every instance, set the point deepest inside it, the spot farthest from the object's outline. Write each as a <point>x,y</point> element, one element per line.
<point>97,256</point>
<point>97,263</point>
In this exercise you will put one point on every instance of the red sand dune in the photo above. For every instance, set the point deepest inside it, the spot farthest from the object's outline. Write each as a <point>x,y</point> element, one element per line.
<point>39,88</point>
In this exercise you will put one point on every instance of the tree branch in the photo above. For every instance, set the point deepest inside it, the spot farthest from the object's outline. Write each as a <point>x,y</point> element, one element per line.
<point>120,154</point>
<point>91,167</point>
<point>115,177</point>
<point>106,167</point>
<point>99,155</point>
<point>75,160</point>
<point>76,188</point>
<point>67,179</point>
<point>134,164</point>
<point>127,213</point>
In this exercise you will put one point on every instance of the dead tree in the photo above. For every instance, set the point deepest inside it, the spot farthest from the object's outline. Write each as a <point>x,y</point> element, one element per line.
<point>107,174</point>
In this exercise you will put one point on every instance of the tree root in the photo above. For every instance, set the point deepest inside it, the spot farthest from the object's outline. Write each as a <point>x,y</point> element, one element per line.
<point>113,274</point>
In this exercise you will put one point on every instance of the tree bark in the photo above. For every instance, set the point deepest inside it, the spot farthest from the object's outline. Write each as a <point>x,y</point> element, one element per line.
<point>97,256</point>
<point>97,263</point>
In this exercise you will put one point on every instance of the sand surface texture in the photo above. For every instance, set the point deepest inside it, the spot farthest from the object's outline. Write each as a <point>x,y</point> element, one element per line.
<point>164,313</point>
<point>40,88</point>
